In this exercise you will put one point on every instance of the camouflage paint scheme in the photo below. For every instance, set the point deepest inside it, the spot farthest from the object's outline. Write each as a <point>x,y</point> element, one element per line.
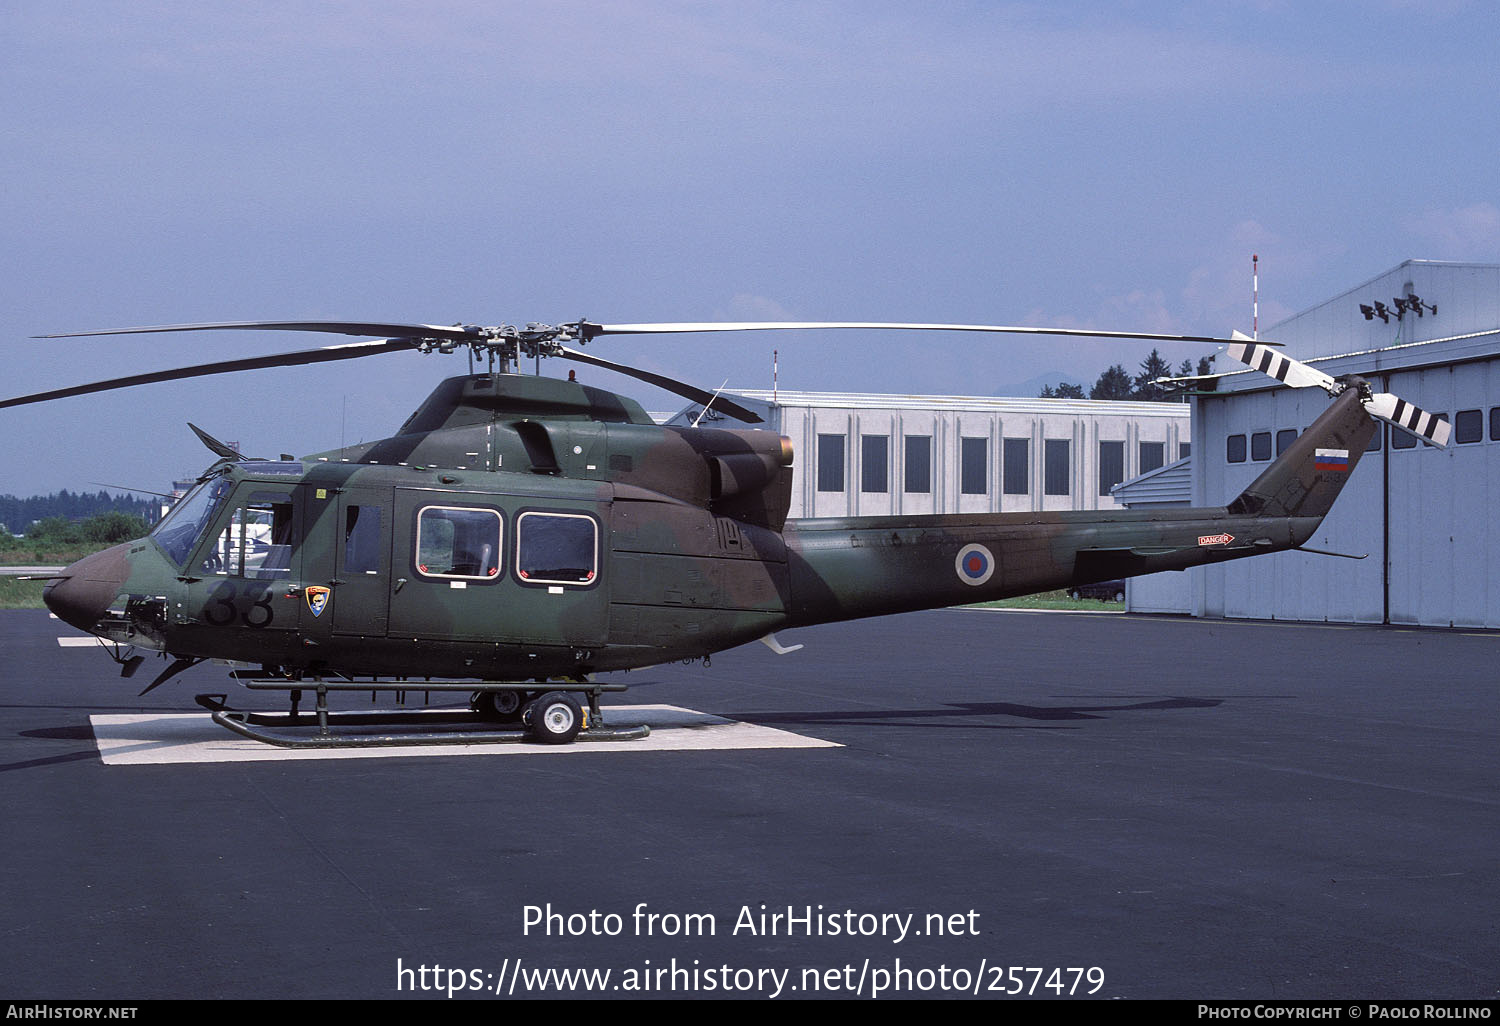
<point>692,552</point>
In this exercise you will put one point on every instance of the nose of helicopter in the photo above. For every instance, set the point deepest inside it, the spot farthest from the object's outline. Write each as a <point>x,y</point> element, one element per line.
<point>84,593</point>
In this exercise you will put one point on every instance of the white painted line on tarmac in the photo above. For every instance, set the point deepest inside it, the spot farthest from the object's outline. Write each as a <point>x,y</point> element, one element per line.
<point>159,738</point>
<point>77,642</point>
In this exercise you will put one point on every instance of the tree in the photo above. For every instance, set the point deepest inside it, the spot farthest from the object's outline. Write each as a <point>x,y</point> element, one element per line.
<point>57,530</point>
<point>1112,384</point>
<point>1067,390</point>
<point>19,513</point>
<point>1152,367</point>
<point>112,528</point>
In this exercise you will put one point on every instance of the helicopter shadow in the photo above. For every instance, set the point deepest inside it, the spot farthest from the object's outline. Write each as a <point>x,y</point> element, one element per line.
<point>79,732</point>
<point>1041,717</point>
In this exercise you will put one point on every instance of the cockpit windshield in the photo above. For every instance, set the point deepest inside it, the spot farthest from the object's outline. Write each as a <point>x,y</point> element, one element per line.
<point>180,528</point>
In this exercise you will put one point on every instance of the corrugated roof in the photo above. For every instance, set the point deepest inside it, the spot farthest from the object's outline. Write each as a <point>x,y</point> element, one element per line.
<point>1172,483</point>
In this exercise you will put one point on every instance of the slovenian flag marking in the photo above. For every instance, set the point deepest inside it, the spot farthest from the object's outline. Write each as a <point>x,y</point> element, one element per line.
<point>1332,459</point>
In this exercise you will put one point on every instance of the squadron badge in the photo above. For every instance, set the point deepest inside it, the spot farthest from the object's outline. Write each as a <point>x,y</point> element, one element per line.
<point>318,598</point>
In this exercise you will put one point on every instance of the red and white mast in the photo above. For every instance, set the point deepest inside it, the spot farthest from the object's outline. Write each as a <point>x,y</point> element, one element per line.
<point>1255,295</point>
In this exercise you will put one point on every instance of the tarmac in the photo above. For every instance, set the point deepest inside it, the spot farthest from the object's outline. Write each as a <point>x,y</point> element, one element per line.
<point>950,803</point>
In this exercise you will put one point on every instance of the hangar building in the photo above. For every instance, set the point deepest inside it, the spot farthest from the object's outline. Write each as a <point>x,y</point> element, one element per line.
<point>1422,514</point>
<point>881,455</point>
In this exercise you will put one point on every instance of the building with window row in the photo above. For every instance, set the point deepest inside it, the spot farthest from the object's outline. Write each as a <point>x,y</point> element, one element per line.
<point>878,455</point>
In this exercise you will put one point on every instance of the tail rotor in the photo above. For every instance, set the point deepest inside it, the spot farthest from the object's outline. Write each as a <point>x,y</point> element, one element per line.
<point>1381,405</point>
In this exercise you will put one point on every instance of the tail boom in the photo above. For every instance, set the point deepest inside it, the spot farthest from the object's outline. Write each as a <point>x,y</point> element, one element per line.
<point>866,566</point>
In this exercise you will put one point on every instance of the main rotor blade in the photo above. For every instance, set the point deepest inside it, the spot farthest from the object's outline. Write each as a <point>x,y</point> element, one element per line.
<point>327,354</point>
<point>456,333</point>
<point>588,330</point>
<point>681,388</point>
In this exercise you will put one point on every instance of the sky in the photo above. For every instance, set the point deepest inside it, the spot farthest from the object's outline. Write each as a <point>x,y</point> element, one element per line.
<point>1104,165</point>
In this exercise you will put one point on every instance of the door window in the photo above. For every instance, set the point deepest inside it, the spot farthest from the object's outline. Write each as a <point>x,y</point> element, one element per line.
<point>362,539</point>
<point>258,540</point>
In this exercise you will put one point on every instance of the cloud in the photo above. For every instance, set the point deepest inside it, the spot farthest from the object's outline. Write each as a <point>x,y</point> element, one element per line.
<point>1220,291</point>
<point>746,307</point>
<point>1463,233</point>
<point>1217,294</point>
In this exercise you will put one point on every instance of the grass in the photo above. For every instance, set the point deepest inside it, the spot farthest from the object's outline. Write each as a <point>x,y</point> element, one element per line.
<point>1053,600</point>
<point>16,594</point>
<point>46,556</point>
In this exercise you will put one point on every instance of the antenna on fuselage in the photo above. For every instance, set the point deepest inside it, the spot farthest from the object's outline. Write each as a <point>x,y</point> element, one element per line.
<point>710,402</point>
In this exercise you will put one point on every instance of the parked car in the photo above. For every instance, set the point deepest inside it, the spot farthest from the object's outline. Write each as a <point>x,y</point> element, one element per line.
<point>1104,591</point>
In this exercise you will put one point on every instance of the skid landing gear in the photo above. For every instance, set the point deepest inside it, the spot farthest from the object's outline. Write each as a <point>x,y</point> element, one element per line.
<point>541,713</point>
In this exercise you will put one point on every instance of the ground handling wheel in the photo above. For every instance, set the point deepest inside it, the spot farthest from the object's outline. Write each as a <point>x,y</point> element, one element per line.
<point>555,718</point>
<point>500,706</point>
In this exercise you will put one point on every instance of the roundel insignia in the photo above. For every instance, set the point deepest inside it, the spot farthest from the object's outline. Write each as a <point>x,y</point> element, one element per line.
<point>975,564</point>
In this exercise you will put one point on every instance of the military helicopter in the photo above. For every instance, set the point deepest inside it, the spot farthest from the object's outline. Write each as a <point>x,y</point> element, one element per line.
<point>520,534</point>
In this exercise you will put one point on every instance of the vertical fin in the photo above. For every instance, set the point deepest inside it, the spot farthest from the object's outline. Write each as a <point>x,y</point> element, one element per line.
<point>1308,476</point>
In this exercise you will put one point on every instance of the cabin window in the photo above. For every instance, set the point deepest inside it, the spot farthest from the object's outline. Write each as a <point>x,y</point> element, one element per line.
<point>1468,426</point>
<point>458,542</point>
<point>830,463</point>
<point>973,462</point>
<point>258,540</point>
<point>1285,438</point>
<point>1260,446</point>
<point>1111,465</point>
<point>557,548</point>
<point>362,539</point>
<point>1495,423</point>
<point>1056,467</point>
<point>919,463</point>
<point>1234,449</point>
<point>1017,466</point>
<point>874,463</point>
<point>1153,456</point>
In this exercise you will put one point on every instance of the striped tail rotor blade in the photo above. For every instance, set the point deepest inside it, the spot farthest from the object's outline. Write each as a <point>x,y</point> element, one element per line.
<point>1403,414</point>
<point>1283,368</point>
